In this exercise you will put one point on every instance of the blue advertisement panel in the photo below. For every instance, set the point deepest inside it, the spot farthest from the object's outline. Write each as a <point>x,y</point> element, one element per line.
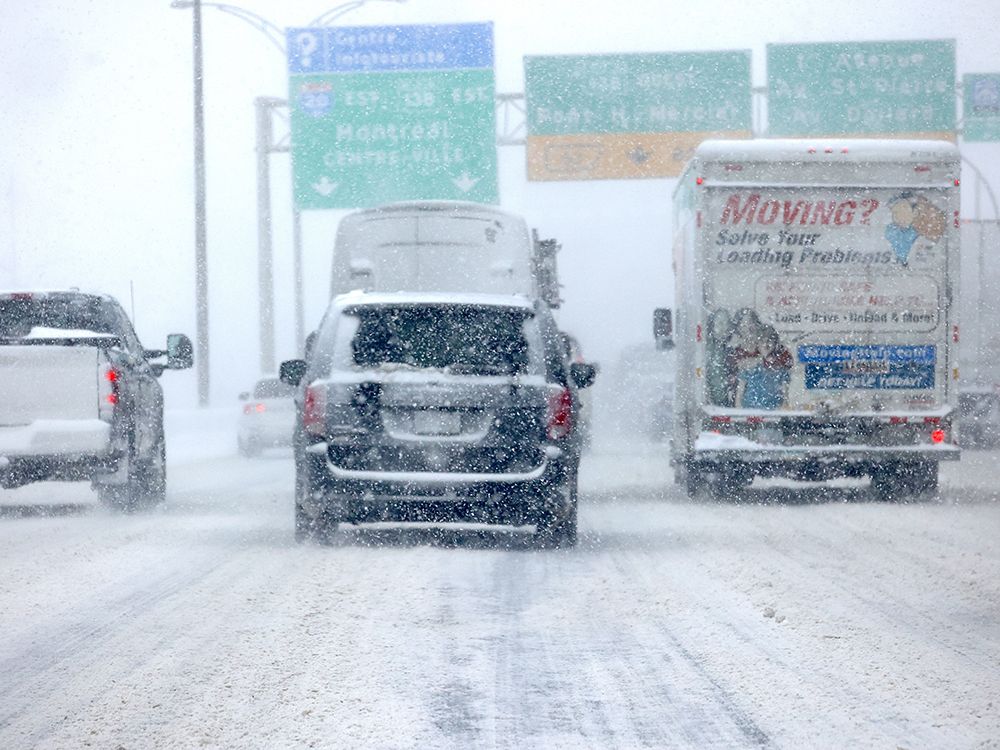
<point>888,367</point>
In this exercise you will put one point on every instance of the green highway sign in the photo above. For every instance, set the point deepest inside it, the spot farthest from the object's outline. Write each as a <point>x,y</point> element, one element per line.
<point>631,115</point>
<point>981,96</point>
<point>381,114</point>
<point>904,88</point>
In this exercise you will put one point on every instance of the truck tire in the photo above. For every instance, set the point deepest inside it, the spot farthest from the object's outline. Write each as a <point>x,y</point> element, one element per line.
<point>146,485</point>
<point>916,480</point>
<point>693,479</point>
<point>730,481</point>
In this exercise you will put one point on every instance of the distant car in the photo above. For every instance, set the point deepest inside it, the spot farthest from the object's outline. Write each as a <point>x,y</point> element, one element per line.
<point>643,390</point>
<point>979,417</point>
<point>268,417</point>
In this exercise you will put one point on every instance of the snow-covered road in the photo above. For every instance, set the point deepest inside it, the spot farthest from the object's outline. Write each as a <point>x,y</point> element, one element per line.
<point>788,620</point>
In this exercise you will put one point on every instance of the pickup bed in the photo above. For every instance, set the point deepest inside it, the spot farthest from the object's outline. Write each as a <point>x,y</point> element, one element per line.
<point>80,399</point>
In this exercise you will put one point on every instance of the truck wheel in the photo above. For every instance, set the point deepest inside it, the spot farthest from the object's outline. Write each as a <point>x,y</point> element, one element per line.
<point>887,484</point>
<point>922,479</point>
<point>693,479</point>
<point>730,481</point>
<point>146,484</point>
<point>152,482</point>
<point>916,480</point>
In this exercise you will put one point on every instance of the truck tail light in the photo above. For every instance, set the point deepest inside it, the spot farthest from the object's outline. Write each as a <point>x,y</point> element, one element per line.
<point>108,392</point>
<point>559,420</point>
<point>938,436</point>
<point>314,410</point>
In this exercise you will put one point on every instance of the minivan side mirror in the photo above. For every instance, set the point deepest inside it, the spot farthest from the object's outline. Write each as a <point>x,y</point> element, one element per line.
<point>582,374</point>
<point>180,353</point>
<point>292,371</point>
<point>663,328</point>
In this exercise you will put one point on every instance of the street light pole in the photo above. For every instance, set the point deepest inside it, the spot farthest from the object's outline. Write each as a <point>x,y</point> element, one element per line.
<point>265,261</point>
<point>200,234</point>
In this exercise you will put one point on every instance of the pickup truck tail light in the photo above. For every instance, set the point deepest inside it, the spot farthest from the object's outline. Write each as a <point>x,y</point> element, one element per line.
<point>108,392</point>
<point>314,410</point>
<point>559,419</point>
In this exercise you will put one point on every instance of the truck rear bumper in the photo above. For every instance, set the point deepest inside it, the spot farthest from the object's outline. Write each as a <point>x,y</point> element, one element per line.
<point>866,454</point>
<point>55,437</point>
<point>16,471</point>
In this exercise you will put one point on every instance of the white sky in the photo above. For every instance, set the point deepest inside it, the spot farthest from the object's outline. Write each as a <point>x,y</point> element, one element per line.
<point>96,156</point>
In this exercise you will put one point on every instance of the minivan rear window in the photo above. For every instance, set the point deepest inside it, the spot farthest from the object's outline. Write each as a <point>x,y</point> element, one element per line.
<point>463,338</point>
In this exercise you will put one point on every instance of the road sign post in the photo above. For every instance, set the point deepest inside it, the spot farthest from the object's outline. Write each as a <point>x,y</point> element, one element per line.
<point>390,113</point>
<point>903,89</point>
<point>632,115</point>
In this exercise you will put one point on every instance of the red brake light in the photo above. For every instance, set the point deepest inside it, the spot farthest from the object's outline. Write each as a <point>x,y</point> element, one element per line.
<point>314,410</point>
<point>110,390</point>
<point>560,414</point>
<point>937,436</point>
<point>699,180</point>
<point>260,408</point>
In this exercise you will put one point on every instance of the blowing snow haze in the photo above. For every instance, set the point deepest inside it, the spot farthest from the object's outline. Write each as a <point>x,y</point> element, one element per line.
<point>98,187</point>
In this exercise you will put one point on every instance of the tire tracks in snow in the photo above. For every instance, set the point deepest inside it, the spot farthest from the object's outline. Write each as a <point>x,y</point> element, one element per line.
<point>592,685</point>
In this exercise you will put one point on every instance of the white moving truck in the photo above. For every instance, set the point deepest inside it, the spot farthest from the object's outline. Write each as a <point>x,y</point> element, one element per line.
<point>816,302</point>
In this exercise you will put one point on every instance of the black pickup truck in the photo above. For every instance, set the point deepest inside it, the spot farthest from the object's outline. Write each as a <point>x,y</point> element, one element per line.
<point>80,400</point>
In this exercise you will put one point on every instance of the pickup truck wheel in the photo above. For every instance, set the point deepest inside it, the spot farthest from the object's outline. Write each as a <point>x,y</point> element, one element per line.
<point>146,485</point>
<point>153,475</point>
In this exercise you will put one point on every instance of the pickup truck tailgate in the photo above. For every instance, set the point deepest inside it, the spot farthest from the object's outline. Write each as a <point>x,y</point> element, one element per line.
<point>49,402</point>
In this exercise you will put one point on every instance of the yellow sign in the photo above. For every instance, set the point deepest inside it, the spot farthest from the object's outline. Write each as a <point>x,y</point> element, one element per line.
<point>614,156</point>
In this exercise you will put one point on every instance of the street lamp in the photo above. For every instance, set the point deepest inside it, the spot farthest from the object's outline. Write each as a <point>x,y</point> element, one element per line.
<point>276,36</point>
<point>200,245</point>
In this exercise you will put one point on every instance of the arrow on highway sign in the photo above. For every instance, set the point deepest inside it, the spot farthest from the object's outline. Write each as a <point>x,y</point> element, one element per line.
<point>325,186</point>
<point>464,182</point>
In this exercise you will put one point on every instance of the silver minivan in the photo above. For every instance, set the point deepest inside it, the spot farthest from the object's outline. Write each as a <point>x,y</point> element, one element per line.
<point>438,408</point>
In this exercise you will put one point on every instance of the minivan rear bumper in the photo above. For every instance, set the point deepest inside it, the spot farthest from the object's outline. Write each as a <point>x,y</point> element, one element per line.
<point>516,498</point>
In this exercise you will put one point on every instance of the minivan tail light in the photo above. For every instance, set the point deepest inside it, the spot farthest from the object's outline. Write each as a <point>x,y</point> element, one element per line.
<point>559,421</point>
<point>314,410</point>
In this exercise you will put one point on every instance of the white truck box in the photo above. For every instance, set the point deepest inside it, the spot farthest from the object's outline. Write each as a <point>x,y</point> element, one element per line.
<point>442,246</point>
<point>816,300</point>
